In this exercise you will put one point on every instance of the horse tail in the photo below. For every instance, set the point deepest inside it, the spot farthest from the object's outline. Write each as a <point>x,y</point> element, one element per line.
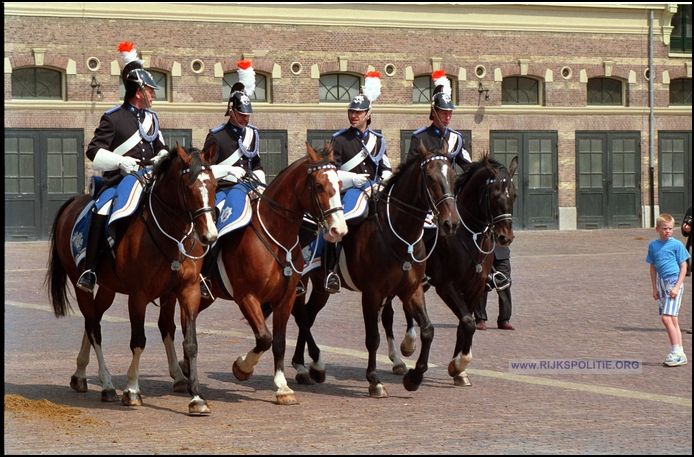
<point>56,276</point>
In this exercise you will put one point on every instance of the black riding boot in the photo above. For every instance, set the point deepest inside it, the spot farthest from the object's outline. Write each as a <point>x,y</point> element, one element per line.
<point>207,264</point>
<point>87,280</point>
<point>331,252</point>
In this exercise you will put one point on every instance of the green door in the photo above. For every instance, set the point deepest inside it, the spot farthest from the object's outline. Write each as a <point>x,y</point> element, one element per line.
<point>608,180</point>
<point>537,204</point>
<point>674,173</point>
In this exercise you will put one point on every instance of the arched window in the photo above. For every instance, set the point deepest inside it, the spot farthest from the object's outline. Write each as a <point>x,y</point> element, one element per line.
<point>39,83</point>
<point>423,89</point>
<point>259,95</point>
<point>338,88</point>
<point>519,90</point>
<point>159,78</point>
<point>605,91</point>
<point>681,92</point>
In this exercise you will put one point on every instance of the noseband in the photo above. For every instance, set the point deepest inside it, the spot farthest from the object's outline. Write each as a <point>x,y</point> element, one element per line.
<point>323,214</point>
<point>433,205</point>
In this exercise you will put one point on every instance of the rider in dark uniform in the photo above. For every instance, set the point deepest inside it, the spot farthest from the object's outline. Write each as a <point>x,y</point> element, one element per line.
<point>237,149</point>
<point>360,156</point>
<point>441,112</point>
<point>127,139</point>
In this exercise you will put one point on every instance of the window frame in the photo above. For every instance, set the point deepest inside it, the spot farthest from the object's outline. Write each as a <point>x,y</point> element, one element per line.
<point>602,79</point>
<point>54,71</point>
<point>506,92</point>
<point>226,86</point>
<point>682,90</point>
<point>431,90</point>
<point>681,22</point>
<point>349,92</point>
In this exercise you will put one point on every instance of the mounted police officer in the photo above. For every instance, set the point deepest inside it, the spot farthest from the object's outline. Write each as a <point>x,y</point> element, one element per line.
<point>441,113</point>
<point>360,156</point>
<point>237,150</point>
<point>127,139</point>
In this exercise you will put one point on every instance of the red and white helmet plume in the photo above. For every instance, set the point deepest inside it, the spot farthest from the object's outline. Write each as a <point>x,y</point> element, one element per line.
<point>440,79</point>
<point>246,76</point>
<point>372,85</point>
<point>128,53</point>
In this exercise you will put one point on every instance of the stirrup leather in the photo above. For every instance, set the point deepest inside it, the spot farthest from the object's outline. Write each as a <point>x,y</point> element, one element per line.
<point>205,288</point>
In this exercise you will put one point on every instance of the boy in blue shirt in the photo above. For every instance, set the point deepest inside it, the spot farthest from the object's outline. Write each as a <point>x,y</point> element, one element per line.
<point>668,259</point>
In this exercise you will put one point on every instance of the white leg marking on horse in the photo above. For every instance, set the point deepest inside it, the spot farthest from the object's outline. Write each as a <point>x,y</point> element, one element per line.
<point>134,372</point>
<point>393,353</point>
<point>281,384</point>
<point>300,369</point>
<point>461,361</point>
<point>83,357</point>
<point>410,340</point>
<point>104,375</point>
<point>247,362</point>
<point>318,365</point>
<point>174,368</point>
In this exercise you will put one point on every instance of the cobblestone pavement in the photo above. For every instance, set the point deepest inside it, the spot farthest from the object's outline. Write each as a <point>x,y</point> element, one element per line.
<point>577,295</point>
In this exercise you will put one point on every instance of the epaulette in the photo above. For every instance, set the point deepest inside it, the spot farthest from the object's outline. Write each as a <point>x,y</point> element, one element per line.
<point>336,134</point>
<point>417,132</point>
<point>378,135</point>
<point>113,110</point>
<point>253,127</point>
<point>218,128</point>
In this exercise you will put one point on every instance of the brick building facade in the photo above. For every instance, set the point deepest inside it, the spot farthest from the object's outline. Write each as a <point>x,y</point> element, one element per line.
<point>293,46</point>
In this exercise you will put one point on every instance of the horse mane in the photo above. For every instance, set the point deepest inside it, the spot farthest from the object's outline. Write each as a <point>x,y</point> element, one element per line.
<point>164,164</point>
<point>469,170</point>
<point>400,170</point>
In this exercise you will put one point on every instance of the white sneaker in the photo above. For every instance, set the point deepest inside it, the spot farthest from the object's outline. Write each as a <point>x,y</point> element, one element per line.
<point>675,360</point>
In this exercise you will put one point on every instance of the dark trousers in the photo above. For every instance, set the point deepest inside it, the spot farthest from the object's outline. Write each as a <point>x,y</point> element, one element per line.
<point>504,266</point>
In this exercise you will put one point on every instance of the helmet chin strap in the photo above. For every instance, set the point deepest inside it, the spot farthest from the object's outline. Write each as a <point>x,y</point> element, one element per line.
<point>148,104</point>
<point>436,115</point>
<point>358,126</point>
<point>236,121</point>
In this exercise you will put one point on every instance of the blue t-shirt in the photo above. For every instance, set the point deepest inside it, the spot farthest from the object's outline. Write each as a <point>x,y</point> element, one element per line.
<point>667,256</point>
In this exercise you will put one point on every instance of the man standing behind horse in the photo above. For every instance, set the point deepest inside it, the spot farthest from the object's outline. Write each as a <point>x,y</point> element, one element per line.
<point>127,139</point>
<point>360,156</point>
<point>237,150</point>
<point>432,137</point>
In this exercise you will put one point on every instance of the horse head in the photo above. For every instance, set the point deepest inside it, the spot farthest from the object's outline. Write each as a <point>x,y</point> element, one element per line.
<point>325,187</point>
<point>502,195</point>
<point>194,199</point>
<point>439,178</point>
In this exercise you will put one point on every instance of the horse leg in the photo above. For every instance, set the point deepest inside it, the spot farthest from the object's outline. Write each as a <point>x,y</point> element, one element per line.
<point>462,354</point>
<point>93,308</point>
<point>280,317</point>
<point>136,308</point>
<point>416,307</point>
<point>319,298</point>
<point>409,343</point>
<point>399,366</point>
<point>370,310</point>
<point>251,310</point>
<point>167,328</point>
<point>189,312</point>
<point>299,313</point>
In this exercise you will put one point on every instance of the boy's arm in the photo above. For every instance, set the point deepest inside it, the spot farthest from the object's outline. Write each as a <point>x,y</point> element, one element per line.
<point>653,282</point>
<point>680,280</point>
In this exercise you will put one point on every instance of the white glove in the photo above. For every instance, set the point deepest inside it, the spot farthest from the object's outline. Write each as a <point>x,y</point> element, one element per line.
<point>129,164</point>
<point>350,179</point>
<point>105,160</point>
<point>237,172</point>
<point>163,153</point>
<point>220,171</point>
<point>260,175</point>
<point>385,175</point>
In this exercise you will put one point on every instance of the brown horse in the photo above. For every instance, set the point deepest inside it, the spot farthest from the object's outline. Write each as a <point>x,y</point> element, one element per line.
<point>459,265</point>
<point>383,257</point>
<point>262,262</point>
<point>159,251</point>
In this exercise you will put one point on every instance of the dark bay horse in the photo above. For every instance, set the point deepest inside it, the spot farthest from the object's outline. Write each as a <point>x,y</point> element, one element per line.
<point>384,257</point>
<point>459,265</point>
<point>159,251</point>
<point>262,262</point>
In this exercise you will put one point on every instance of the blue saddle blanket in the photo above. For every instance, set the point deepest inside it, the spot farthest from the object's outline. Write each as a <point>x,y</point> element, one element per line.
<point>235,208</point>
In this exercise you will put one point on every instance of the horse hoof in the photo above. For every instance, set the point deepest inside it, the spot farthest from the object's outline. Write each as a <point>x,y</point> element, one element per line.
<point>462,380</point>
<point>304,378</point>
<point>400,369</point>
<point>132,399</point>
<point>407,352</point>
<point>181,386</point>
<point>239,374</point>
<point>412,380</point>
<point>287,399</point>
<point>184,368</point>
<point>318,376</point>
<point>109,395</point>
<point>79,384</point>
<point>378,391</point>
<point>198,407</point>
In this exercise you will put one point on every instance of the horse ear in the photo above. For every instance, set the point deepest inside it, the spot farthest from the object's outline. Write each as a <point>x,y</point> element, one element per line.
<point>444,146</point>
<point>514,165</point>
<point>208,155</point>
<point>311,153</point>
<point>182,154</point>
<point>329,153</point>
<point>422,151</point>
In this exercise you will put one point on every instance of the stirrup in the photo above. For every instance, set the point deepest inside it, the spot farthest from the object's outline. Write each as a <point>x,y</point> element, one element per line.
<point>87,281</point>
<point>426,285</point>
<point>300,289</point>
<point>332,283</point>
<point>204,289</point>
<point>500,281</point>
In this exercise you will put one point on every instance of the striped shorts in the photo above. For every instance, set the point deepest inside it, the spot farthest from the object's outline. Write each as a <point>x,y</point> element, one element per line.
<point>669,305</point>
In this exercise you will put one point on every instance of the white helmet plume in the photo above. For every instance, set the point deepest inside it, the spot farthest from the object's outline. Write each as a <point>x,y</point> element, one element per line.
<point>246,76</point>
<point>440,79</point>
<point>372,85</point>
